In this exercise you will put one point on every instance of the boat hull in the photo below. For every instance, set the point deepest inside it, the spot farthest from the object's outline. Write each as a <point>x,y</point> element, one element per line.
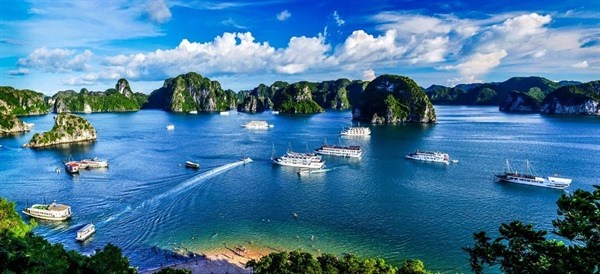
<point>63,218</point>
<point>549,182</point>
<point>431,160</point>
<point>313,165</point>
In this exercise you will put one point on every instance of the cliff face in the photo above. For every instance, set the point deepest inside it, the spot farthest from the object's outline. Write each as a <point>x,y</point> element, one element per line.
<point>10,124</point>
<point>520,102</point>
<point>256,100</point>
<point>68,128</point>
<point>23,102</point>
<point>581,99</point>
<point>393,99</point>
<point>191,92</point>
<point>296,98</point>
<point>119,99</point>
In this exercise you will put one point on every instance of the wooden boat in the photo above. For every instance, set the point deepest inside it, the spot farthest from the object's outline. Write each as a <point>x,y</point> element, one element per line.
<point>191,164</point>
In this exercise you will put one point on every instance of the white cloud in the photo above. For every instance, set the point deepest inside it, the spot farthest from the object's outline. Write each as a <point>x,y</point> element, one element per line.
<point>57,60</point>
<point>158,11</point>
<point>477,64</point>
<point>368,75</point>
<point>338,19</point>
<point>361,48</point>
<point>284,15</point>
<point>583,64</point>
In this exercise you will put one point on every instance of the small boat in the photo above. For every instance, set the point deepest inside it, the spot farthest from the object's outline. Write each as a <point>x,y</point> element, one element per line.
<point>191,164</point>
<point>93,163</point>
<point>171,127</point>
<point>72,167</point>
<point>532,179</point>
<point>85,232</point>
<point>257,125</point>
<point>275,112</point>
<point>224,113</point>
<point>246,160</point>
<point>52,212</point>
<point>193,112</point>
<point>427,156</point>
<point>295,215</point>
<point>454,161</point>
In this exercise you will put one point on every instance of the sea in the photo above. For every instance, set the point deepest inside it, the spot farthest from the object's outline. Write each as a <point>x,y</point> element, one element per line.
<point>383,205</point>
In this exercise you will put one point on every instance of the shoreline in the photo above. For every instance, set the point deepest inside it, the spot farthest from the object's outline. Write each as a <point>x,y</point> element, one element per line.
<point>226,259</point>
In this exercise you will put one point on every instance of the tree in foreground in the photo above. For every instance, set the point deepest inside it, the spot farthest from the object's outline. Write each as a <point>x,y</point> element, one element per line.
<point>303,262</point>
<point>521,249</point>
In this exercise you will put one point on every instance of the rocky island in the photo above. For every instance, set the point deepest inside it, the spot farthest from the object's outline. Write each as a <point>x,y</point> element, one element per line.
<point>391,99</point>
<point>191,92</point>
<point>13,103</point>
<point>68,128</point>
<point>294,98</point>
<point>118,99</point>
<point>583,99</point>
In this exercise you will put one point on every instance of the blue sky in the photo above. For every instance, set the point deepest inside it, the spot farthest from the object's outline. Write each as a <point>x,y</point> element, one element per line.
<point>56,45</point>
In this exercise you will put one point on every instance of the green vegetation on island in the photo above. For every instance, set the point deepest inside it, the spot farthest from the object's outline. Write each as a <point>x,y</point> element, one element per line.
<point>297,99</point>
<point>191,92</point>
<point>22,102</point>
<point>391,99</point>
<point>291,98</point>
<point>117,99</point>
<point>68,128</point>
<point>522,249</point>
<point>488,93</point>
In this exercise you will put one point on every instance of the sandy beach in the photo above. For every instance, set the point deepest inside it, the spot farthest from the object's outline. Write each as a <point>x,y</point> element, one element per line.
<point>231,258</point>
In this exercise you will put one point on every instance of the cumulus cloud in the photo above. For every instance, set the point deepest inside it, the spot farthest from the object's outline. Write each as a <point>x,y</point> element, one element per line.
<point>57,60</point>
<point>583,64</point>
<point>338,19</point>
<point>368,75</point>
<point>284,15</point>
<point>158,11</point>
<point>477,64</point>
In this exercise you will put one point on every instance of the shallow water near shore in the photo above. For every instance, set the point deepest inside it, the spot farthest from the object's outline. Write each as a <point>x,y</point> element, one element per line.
<point>382,205</point>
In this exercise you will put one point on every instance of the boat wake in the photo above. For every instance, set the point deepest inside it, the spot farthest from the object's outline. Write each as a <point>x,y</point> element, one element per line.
<point>181,187</point>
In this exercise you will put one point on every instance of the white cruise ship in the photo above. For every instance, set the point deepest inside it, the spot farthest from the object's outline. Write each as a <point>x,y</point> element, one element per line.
<point>342,151</point>
<point>93,163</point>
<point>356,131</point>
<point>531,179</point>
<point>436,157</point>
<point>53,211</point>
<point>304,160</point>
<point>257,125</point>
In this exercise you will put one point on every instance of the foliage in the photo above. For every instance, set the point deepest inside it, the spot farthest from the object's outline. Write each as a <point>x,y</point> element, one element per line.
<point>169,270</point>
<point>10,221</point>
<point>296,98</point>
<point>23,252</point>
<point>302,262</point>
<point>23,102</point>
<point>575,95</point>
<point>408,102</point>
<point>521,249</point>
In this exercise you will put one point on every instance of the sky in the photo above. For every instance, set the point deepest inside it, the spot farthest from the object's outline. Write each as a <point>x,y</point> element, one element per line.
<point>52,45</point>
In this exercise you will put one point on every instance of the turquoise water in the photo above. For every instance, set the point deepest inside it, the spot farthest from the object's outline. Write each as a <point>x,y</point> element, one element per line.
<point>382,205</point>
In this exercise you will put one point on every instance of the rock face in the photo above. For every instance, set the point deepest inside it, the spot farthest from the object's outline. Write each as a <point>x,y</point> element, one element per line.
<point>391,99</point>
<point>191,92</point>
<point>339,94</point>
<point>119,99</point>
<point>68,128</point>
<point>256,100</point>
<point>10,124</point>
<point>23,102</point>
<point>296,99</point>
<point>581,99</point>
<point>520,102</point>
